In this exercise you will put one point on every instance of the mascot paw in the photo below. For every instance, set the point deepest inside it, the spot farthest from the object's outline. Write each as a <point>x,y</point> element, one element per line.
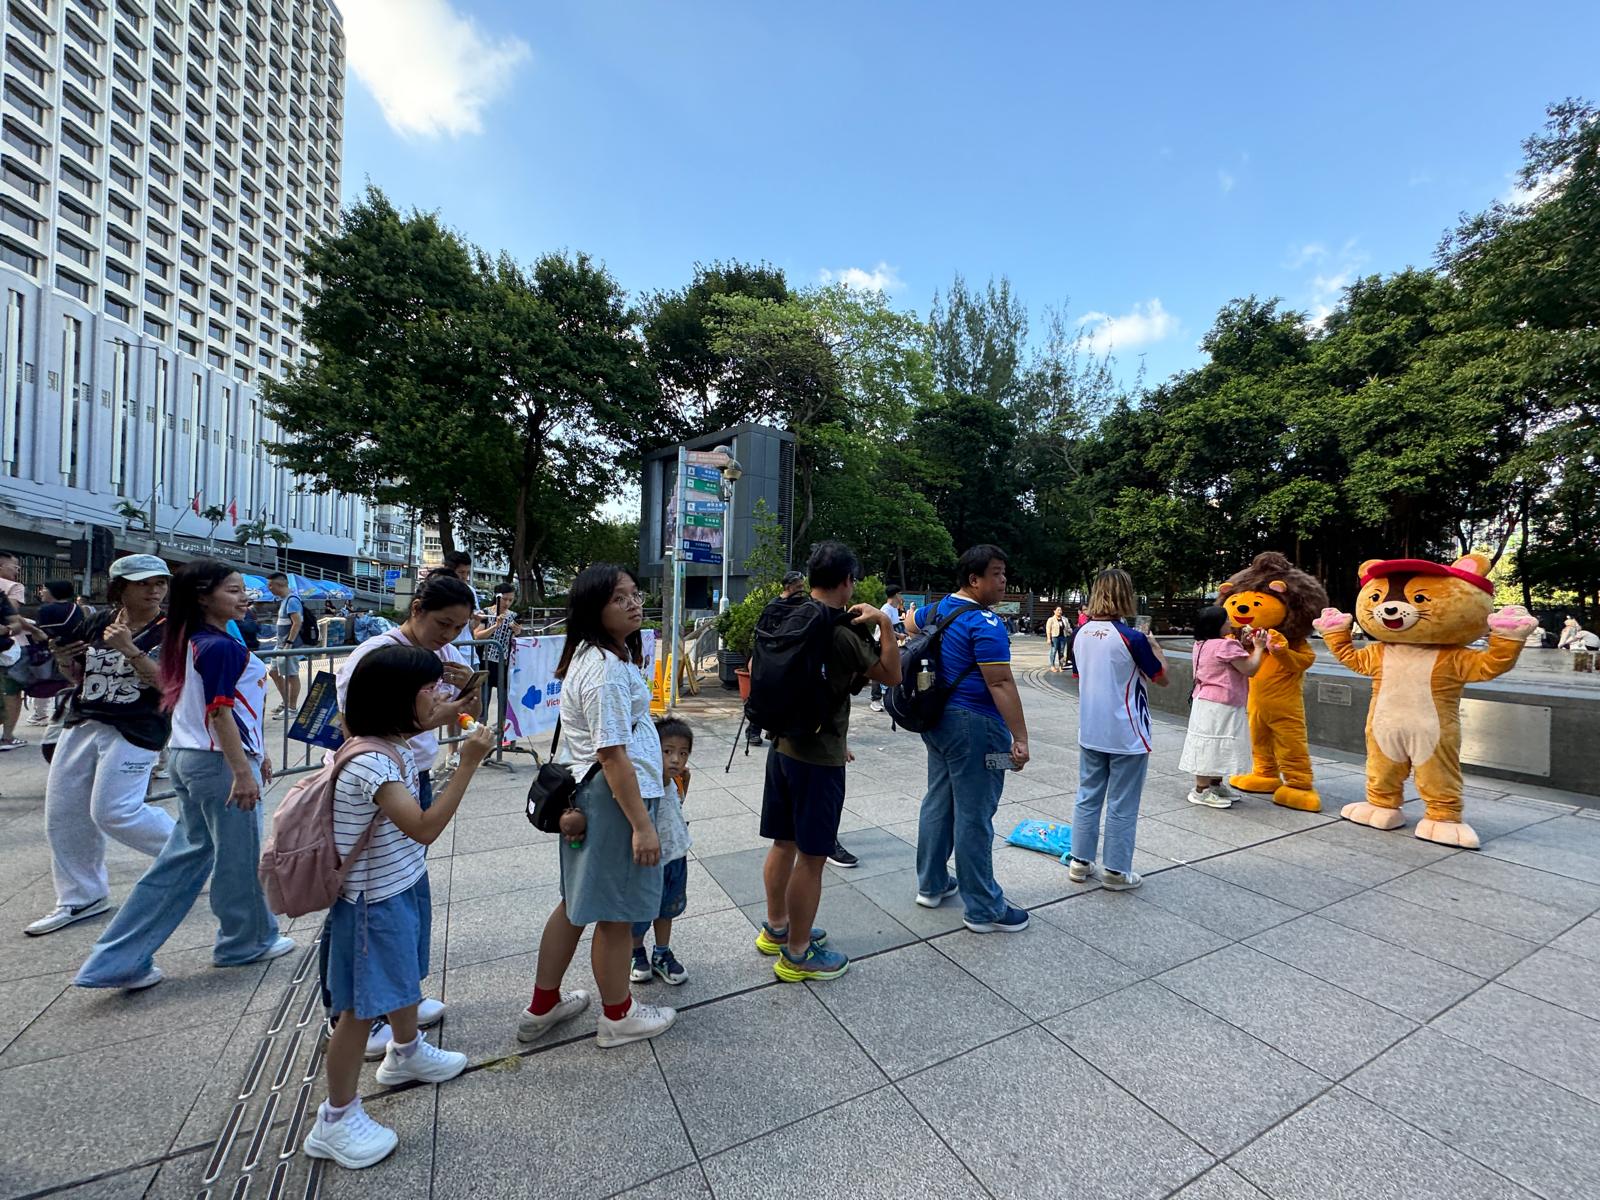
<point>1332,620</point>
<point>1448,833</point>
<point>1302,799</point>
<point>1513,621</point>
<point>1363,813</point>
<point>1256,783</point>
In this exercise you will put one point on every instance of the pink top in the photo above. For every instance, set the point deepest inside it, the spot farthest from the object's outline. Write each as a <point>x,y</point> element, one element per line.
<point>1214,677</point>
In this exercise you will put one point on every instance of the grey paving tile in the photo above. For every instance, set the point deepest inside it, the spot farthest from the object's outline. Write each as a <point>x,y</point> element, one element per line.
<point>22,1000</point>
<point>1541,1136</point>
<point>193,993</point>
<point>1221,1183</point>
<point>1214,903</point>
<point>1541,1038</point>
<point>739,874</point>
<point>887,807</point>
<point>499,832</point>
<point>64,1123</point>
<point>1367,870</point>
<point>125,1185</point>
<point>913,1007</point>
<point>1428,931</point>
<point>1219,1085</point>
<point>1142,936</point>
<point>487,1145</point>
<point>1155,836</point>
<point>496,926</point>
<point>1493,818</point>
<point>707,803</point>
<point>856,926</point>
<point>1583,939</point>
<point>686,1184</point>
<point>707,1058</point>
<point>724,835</point>
<point>1328,1029</point>
<point>1342,1147</point>
<point>491,872</point>
<point>484,999</point>
<point>1291,883</point>
<point>1558,891</point>
<point>877,1146</point>
<point>1232,826</point>
<point>880,853</point>
<point>1025,1114</point>
<point>718,949</point>
<point>1387,974</point>
<point>1564,846</point>
<point>1029,878</point>
<point>896,892</point>
<point>1043,972</point>
<point>1479,905</point>
<point>1398,844</point>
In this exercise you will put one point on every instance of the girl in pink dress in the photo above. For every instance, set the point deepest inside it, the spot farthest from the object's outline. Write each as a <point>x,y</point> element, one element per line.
<point>1223,665</point>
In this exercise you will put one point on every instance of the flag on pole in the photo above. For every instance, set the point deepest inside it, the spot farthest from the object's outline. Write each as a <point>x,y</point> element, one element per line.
<point>195,503</point>
<point>233,511</point>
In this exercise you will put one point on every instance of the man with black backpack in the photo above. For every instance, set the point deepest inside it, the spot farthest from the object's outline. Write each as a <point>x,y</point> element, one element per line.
<point>811,653</point>
<point>965,666</point>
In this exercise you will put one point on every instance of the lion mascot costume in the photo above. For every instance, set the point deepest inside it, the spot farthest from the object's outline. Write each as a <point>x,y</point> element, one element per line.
<point>1273,594</point>
<point>1422,615</point>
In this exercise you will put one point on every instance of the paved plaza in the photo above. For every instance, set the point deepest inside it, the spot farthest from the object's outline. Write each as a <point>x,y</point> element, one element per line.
<point>1292,1007</point>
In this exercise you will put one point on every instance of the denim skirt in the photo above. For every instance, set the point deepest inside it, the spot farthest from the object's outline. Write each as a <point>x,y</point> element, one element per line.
<point>378,952</point>
<point>599,880</point>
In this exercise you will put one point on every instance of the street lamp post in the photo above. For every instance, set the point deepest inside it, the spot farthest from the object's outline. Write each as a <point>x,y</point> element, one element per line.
<point>731,471</point>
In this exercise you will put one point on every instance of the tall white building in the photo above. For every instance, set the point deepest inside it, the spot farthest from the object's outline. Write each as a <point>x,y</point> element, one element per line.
<point>164,163</point>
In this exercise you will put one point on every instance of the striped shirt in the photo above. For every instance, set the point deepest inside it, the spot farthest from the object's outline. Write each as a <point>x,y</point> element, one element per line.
<point>392,862</point>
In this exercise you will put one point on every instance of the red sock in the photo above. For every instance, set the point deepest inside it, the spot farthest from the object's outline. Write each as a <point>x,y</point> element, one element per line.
<point>544,999</point>
<point>615,1012</point>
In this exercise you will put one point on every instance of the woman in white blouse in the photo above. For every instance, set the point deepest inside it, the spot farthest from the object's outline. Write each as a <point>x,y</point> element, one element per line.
<point>613,877</point>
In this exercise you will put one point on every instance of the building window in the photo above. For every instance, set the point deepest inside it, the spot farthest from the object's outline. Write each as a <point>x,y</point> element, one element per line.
<point>124,178</point>
<point>217,359</point>
<point>119,277</point>
<point>25,103</point>
<point>79,109</point>
<point>188,345</point>
<point>156,266</point>
<point>156,328</point>
<point>25,66</point>
<point>74,286</point>
<point>156,296</point>
<point>118,309</point>
<point>19,219</point>
<point>18,139</point>
<point>120,242</point>
<point>82,255</point>
<point>23,260</point>
<point>79,145</point>
<point>77,180</point>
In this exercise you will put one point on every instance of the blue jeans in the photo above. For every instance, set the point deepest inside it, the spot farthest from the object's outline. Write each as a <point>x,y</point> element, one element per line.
<point>958,810</point>
<point>211,840</point>
<point>1112,782</point>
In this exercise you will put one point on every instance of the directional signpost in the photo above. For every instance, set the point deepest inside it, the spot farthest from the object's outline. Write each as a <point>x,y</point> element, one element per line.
<point>697,533</point>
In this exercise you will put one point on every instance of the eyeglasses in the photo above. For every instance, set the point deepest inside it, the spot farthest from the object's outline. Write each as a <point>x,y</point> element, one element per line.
<point>633,601</point>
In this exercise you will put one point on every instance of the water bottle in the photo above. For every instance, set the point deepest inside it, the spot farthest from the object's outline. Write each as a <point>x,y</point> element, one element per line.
<point>924,677</point>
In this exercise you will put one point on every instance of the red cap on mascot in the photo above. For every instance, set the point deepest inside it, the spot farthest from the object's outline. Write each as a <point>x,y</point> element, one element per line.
<point>1421,566</point>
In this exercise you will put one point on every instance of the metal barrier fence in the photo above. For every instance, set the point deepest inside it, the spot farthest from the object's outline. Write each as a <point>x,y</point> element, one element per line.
<point>293,757</point>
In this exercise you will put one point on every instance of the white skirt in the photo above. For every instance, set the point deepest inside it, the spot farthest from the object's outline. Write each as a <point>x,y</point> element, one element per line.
<point>1215,745</point>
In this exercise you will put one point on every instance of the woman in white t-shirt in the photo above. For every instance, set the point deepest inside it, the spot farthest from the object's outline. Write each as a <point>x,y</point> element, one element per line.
<point>614,877</point>
<point>216,691</point>
<point>378,932</point>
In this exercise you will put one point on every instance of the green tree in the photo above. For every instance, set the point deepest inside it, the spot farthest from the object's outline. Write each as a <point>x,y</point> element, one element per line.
<point>768,560</point>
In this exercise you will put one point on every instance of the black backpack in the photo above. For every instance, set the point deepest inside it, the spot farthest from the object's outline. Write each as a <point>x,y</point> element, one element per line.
<point>789,692</point>
<point>916,708</point>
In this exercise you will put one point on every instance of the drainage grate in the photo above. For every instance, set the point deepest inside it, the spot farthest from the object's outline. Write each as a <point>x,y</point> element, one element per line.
<point>257,1151</point>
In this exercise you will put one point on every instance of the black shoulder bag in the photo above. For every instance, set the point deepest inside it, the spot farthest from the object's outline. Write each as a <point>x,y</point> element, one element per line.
<point>553,790</point>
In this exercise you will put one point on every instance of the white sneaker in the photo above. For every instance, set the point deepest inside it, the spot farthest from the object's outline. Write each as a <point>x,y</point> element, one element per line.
<point>1210,798</point>
<point>928,901</point>
<point>148,980</point>
<point>531,1028</point>
<point>426,1064</point>
<point>429,1012</point>
<point>876,706</point>
<point>1117,881</point>
<point>1079,872</point>
<point>65,915</point>
<point>284,945</point>
<point>643,1021</point>
<point>355,1141</point>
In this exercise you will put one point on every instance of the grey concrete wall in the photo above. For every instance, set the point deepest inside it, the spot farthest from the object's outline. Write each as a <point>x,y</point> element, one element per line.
<point>1336,716</point>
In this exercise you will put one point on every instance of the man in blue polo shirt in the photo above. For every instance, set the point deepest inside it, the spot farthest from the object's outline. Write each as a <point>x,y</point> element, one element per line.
<point>983,717</point>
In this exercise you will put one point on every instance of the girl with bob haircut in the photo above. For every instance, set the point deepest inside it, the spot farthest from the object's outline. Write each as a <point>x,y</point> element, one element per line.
<point>614,878</point>
<point>1113,661</point>
<point>439,611</point>
<point>377,933</point>
<point>216,692</point>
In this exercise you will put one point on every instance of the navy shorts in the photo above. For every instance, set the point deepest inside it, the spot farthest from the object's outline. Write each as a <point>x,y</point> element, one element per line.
<point>802,803</point>
<point>674,893</point>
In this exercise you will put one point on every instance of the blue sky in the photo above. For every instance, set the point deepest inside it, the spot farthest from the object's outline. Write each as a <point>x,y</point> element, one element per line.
<point>1145,163</point>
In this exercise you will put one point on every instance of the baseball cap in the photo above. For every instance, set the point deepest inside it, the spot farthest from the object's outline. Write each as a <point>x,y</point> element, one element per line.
<point>134,567</point>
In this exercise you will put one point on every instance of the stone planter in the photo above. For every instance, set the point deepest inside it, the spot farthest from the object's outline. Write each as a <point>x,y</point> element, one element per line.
<point>729,661</point>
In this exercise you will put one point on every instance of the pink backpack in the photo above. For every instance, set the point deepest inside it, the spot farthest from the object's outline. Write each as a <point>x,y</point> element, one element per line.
<point>300,868</point>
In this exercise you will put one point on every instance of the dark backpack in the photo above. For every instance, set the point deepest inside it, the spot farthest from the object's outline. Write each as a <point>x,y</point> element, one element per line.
<point>916,708</point>
<point>310,631</point>
<point>789,692</point>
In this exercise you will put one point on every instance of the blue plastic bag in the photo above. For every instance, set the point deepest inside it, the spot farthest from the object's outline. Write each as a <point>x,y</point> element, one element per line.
<point>1047,837</point>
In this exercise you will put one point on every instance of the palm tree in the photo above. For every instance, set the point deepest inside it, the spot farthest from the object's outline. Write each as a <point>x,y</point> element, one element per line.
<point>216,514</point>
<point>133,515</point>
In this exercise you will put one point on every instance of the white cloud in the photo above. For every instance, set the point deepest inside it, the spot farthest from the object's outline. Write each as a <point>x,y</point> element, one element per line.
<point>1310,252</point>
<point>882,278</point>
<point>1225,181</point>
<point>1519,195</point>
<point>431,68</point>
<point>1149,322</point>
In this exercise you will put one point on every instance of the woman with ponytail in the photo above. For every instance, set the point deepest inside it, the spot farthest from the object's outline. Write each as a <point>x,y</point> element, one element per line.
<point>216,691</point>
